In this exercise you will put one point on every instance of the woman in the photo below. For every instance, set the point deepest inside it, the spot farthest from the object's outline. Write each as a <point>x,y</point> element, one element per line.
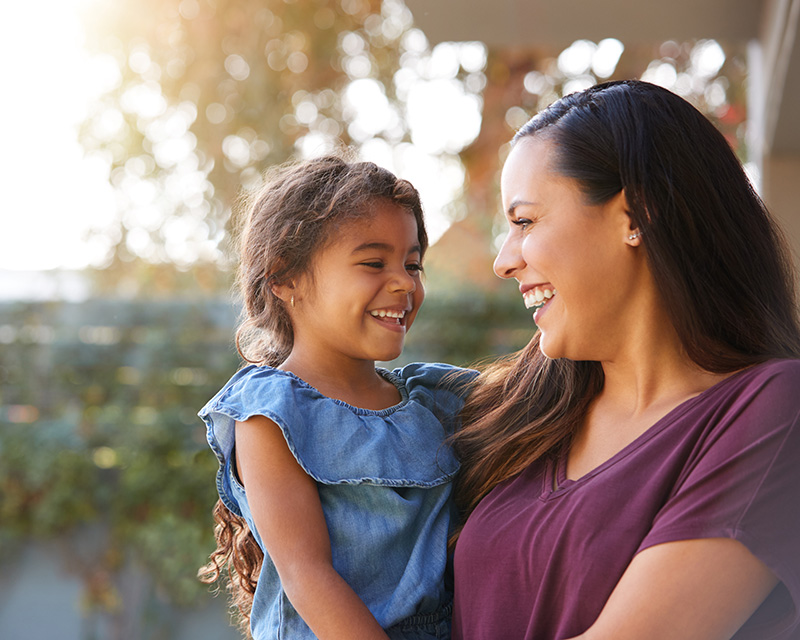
<point>633,472</point>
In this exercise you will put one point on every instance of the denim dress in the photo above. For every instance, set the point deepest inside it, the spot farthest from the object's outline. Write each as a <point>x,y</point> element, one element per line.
<point>384,480</point>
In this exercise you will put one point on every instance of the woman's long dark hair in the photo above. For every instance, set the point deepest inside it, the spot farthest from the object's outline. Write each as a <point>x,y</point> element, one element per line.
<point>289,221</point>
<point>719,262</point>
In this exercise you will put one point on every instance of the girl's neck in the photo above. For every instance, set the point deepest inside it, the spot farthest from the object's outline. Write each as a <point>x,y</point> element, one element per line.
<point>355,382</point>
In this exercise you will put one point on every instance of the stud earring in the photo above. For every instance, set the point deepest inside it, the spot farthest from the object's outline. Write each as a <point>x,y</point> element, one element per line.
<point>634,235</point>
<point>291,301</point>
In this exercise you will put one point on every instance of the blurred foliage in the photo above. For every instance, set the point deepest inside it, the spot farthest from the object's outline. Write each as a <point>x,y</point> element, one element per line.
<point>98,426</point>
<point>98,423</point>
<point>705,73</point>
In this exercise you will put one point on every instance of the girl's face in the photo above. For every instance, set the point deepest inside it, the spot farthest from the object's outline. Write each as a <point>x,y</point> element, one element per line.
<point>363,290</point>
<point>574,262</point>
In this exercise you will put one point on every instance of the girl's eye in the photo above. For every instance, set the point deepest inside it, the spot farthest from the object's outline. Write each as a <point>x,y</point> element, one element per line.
<point>414,267</point>
<point>374,265</point>
<point>522,223</point>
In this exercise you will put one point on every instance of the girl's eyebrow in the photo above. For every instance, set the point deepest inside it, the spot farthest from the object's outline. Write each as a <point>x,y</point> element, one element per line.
<point>382,246</point>
<point>373,246</point>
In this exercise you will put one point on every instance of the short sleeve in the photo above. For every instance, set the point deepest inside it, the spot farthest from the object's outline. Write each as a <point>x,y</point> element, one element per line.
<point>335,443</point>
<point>743,479</point>
<point>442,388</point>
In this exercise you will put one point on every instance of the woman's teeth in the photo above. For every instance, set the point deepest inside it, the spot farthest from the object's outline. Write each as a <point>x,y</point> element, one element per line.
<point>537,297</point>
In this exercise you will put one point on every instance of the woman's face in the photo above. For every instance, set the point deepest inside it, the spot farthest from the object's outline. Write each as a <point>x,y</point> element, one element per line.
<point>575,263</point>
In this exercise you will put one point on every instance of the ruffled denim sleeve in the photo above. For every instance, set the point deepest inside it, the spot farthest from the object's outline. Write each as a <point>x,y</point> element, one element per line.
<point>442,388</point>
<point>336,443</point>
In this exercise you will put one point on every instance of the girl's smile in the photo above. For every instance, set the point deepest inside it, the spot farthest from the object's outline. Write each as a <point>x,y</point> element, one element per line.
<point>392,318</point>
<point>363,291</point>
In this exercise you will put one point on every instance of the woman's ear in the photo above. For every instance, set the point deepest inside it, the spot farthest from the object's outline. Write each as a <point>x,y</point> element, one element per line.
<point>634,238</point>
<point>630,231</point>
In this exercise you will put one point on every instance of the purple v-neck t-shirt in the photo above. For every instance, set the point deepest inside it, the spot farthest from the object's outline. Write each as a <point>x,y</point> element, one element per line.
<point>539,564</point>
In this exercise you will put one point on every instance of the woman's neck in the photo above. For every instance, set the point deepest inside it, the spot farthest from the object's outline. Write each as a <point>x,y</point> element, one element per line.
<point>646,380</point>
<point>653,369</point>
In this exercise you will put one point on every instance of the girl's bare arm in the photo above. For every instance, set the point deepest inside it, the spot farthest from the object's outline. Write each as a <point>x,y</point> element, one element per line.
<point>286,508</point>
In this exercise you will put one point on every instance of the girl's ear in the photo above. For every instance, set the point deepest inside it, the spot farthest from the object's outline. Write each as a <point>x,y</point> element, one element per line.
<point>283,291</point>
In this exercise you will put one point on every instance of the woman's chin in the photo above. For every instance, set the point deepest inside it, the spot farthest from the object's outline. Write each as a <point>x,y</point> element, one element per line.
<point>549,349</point>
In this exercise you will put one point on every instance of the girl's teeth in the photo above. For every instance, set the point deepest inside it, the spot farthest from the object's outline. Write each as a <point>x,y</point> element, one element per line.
<point>383,313</point>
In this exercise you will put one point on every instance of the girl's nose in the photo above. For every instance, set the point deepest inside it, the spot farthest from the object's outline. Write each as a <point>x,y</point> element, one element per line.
<point>403,282</point>
<point>509,258</point>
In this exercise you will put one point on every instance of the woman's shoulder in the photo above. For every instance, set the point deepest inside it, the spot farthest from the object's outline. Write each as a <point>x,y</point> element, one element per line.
<point>778,379</point>
<point>763,398</point>
<point>780,368</point>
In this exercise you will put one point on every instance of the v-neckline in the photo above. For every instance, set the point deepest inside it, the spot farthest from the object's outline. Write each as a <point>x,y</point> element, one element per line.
<point>555,478</point>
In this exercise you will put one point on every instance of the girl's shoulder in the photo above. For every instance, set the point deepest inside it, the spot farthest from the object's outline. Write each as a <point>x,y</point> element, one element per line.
<point>252,386</point>
<point>436,378</point>
<point>255,389</point>
<point>337,443</point>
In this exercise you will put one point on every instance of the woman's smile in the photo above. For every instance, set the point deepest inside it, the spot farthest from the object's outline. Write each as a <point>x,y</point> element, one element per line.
<point>563,251</point>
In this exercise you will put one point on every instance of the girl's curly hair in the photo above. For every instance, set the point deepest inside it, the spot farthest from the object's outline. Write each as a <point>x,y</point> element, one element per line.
<point>290,219</point>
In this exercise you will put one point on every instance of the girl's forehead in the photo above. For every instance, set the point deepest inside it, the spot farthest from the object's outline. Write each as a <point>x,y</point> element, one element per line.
<point>375,217</point>
<point>386,224</point>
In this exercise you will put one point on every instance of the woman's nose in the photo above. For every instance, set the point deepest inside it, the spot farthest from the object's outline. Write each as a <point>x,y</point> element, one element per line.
<point>509,258</point>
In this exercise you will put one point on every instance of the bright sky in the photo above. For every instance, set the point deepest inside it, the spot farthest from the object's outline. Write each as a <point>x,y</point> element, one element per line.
<point>50,195</point>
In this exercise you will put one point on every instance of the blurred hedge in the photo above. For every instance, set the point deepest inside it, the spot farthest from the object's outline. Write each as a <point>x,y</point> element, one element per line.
<point>98,422</point>
<point>98,425</point>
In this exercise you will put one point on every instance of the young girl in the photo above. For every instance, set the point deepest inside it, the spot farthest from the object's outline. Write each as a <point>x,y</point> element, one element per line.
<point>334,484</point>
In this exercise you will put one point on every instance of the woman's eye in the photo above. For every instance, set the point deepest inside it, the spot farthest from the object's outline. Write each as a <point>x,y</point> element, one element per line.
<point>522,223</point>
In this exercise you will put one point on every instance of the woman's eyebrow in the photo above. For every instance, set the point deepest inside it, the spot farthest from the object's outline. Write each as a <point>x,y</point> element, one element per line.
<point>519,203</point>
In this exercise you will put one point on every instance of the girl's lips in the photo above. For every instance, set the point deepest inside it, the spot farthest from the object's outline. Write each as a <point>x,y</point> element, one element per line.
<point>388,313</point>
<point>393,319</point>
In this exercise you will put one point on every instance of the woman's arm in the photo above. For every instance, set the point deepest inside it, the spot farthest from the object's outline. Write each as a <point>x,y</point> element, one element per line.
<point>687,590</point>
<point>286,508</point>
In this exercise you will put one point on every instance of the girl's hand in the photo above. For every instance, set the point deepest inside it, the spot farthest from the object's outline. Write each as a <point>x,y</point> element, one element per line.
<point>687,590</point>
<point>286,508</point>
